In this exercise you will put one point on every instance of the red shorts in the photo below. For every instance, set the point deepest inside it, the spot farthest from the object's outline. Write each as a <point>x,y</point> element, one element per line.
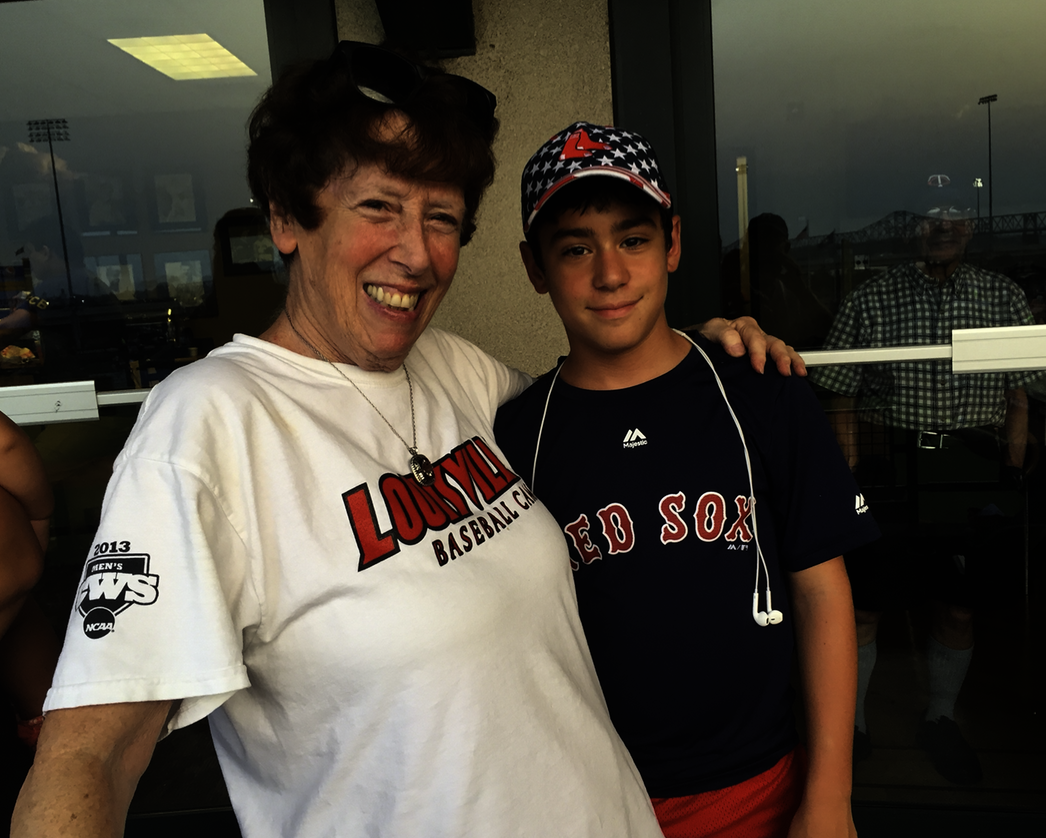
<point>761,807</point>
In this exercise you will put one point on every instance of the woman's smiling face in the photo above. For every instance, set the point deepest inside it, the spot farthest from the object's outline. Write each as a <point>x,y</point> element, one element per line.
<point>367,281</point>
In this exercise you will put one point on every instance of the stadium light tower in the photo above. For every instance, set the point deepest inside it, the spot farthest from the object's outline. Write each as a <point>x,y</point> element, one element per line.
<point>54,131</point>
<point>987,100</point>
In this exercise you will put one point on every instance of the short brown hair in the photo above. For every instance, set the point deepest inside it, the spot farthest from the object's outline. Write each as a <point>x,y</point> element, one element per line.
<point>313,123</point>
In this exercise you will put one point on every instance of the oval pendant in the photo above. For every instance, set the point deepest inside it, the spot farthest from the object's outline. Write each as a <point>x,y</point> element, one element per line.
<point>421,468</point>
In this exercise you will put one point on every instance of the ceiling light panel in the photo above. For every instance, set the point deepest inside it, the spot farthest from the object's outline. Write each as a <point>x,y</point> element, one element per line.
<point>185,56</point>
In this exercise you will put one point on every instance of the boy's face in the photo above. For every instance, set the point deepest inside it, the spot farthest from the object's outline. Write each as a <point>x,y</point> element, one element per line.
<point>607,274</point>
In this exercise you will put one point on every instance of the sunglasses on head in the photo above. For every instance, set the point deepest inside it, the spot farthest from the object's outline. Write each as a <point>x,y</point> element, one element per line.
<point>386,76</point>
<point>946,214</point>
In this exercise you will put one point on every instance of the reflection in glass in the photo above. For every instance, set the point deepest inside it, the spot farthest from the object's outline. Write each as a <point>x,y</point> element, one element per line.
<point>874,160</point>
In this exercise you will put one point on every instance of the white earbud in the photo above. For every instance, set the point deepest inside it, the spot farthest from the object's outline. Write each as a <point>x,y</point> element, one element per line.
<point>759,616</point>
<point>775,616</point>
<point>770,617</point>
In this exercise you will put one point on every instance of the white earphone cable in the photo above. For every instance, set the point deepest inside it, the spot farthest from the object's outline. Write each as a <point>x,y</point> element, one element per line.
<point>541,428</point>
<point>748,466</point>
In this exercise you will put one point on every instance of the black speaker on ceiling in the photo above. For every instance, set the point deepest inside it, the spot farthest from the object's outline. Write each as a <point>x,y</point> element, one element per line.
<point>429,28</point>
<point>299,30</point>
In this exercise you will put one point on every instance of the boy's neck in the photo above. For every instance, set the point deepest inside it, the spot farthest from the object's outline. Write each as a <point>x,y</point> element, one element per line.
<point>590,369</point>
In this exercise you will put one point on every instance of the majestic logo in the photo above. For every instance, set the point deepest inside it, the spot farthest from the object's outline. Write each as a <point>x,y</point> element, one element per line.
<point>113,582</point>
<point>579,144</point>
<point>634,438</point>
<point>860,507</point>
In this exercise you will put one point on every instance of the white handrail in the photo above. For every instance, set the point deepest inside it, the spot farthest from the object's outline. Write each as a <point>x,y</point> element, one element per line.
<point>880,355</point>
<point>996,349</point>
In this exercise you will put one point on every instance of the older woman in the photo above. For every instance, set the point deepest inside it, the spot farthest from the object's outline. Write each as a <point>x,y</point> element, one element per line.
<point>312,538</point>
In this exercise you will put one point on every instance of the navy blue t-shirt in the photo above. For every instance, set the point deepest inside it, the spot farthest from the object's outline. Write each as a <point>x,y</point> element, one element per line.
<point>650,486</point>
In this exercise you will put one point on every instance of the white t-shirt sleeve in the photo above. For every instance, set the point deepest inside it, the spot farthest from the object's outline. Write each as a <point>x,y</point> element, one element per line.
<point>164,601</point>
<point>503,383</point>
<point>518,381</point>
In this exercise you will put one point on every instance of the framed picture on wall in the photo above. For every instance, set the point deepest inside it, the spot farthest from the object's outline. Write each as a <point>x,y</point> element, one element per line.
<point>106,204</point>
<point>177,203</point>
<point>244,243</point>
<point>187,278</point>
<point>118,277</point>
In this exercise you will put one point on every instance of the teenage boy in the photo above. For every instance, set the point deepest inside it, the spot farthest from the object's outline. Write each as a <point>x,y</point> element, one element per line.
<point>633,444</point>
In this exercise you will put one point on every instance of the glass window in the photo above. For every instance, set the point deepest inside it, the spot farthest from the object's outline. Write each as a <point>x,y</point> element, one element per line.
<point>128,248</point>
<point>880,186</point>
<point>127,237</point>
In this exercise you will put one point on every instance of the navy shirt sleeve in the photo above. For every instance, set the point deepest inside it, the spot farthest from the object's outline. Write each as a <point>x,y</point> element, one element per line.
<point>816,505</point>
<point>821,514</point>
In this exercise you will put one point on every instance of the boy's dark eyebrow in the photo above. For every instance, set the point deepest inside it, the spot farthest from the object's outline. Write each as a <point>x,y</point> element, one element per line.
<point>585,232</point>
<point>637,221</point>
<point>571,233</point>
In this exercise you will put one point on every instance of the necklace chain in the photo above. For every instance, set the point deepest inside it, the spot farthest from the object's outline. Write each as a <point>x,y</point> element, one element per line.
<point>420,466</point>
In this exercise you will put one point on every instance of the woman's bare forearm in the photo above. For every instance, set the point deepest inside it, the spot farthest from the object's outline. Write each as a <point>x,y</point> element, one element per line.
<point>87,766</point>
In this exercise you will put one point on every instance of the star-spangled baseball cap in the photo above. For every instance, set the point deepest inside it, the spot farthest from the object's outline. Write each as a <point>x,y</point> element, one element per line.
<point>583,150</point>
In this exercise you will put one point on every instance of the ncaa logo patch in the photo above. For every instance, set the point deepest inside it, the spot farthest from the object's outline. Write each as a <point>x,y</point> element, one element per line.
<point>113,583</point>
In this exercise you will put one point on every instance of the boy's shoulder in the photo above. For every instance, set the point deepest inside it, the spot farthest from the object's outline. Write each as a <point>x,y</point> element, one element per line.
<point>761,393</point>
<point>528,403</point>
<point>517,421</point>
<point>736,373</point>
<point>740,378</point>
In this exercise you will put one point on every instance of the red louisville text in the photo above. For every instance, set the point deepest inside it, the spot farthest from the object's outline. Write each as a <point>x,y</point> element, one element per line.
<point>471,483</point>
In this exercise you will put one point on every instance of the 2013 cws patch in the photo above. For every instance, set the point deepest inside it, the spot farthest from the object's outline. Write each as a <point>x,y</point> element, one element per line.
<point>113,582</point>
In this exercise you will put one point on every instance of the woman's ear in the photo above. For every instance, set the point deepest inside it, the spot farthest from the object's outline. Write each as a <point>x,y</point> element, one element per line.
<point>283,229</point>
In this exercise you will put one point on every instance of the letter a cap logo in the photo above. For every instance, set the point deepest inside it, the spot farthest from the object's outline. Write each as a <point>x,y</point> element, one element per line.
<point>583,150</point>
<point>579,144</point>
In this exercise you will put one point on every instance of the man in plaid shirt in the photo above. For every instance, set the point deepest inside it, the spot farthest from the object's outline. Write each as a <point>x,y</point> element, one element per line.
<point>919,303</point>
